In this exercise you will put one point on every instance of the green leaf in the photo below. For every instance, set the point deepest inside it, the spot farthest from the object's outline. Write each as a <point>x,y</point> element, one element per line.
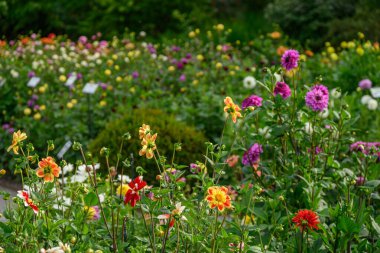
<point>375,225</point>
<point>348,226</point>
<point>373,183</point>
<point>91,199</point>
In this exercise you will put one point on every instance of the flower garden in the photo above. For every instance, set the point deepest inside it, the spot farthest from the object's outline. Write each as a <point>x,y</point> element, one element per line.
<point>191,145</point>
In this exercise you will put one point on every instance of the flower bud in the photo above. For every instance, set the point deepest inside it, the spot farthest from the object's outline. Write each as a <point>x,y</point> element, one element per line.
<point>105,151</point>
<point>127,136</point>
<point>63,163</point>
<point>73,240</point>
<point>77,146</point>
<point>50,145</point>
<point>178,147</point>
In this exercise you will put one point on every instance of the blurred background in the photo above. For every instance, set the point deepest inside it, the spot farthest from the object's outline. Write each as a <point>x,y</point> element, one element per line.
<point>312,22</point>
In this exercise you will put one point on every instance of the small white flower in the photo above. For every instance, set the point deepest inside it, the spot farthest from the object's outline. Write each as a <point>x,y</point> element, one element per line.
<point>372,104</point>
<point>278,77</point>
<point>63,205</point>
<point>61,70</point>
<point>249,82</point>
<point>365,99</point>
<point>125,178</point>
<point>142,34</point>
<point>336,93</point>
<point>265,132</point>
<point>14,73</point>
<point>68,168</point>
<point>98,61</point>
<point>324,114</point>
<point>308,128</point>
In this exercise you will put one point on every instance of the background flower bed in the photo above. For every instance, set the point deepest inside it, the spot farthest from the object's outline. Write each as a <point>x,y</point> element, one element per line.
<point>186,78</point>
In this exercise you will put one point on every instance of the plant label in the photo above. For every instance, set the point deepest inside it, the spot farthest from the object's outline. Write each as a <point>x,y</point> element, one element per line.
<point>90,88</point>
<point>375,92</point>
<point>33,82</point>
<point>71,80</point>
<point>64,149</point>
<point>2,82</point>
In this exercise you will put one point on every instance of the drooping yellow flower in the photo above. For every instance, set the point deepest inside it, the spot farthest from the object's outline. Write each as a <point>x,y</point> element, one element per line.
<point>218,197</point>
<point>231,108</point>
<point>17,138</point>
<point>148,145</point>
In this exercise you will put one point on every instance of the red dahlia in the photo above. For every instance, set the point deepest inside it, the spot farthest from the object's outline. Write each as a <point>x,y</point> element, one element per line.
<point>132,195</point>
<point>306,219</point>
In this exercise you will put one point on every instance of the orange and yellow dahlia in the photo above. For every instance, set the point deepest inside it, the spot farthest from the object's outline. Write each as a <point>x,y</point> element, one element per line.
<point>48,169</point>
<point>218,197</point>
<point>232,108</point>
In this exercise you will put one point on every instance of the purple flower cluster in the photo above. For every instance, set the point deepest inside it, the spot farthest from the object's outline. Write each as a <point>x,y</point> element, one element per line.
<point>282,89</point>
<point>367,148</point>
<point>365,84</point>
<point>252,100</point>
<point>252,155</point>
<point>32,101</point>
<point>8,127</point>
<point>317,98</point>
<point>289,59</point>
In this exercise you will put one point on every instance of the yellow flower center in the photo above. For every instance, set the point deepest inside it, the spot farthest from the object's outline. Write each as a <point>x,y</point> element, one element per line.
<point>220,197</point>
<point>47,170</point>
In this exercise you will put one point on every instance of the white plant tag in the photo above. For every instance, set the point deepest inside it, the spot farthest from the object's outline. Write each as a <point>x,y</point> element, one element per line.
<point>90,88</point>
<point>2,82</point>
<point>33,82</point>
<point>375,92</point>
<point>64,149</point>
<point>71,80</point>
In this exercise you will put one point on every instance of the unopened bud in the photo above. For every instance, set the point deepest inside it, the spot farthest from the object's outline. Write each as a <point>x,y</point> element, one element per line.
<point>127,136</point>
<point>50,145</point>
<point>77,146</point>
<point>73,240</point>
<point>104,151</point>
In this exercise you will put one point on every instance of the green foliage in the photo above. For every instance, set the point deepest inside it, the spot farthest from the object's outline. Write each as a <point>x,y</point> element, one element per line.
<point>314,22</point>
<point>88,17</point>
<point>169,130</point>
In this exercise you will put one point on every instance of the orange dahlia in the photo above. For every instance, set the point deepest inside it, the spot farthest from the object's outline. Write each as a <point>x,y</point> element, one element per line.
<point>218,197</point>
<point>306,219</point>
<point>232,109</point>
<point>48,169</point>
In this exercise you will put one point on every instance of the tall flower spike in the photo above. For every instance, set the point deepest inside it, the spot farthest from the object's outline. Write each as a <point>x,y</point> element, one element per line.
<point>143,131</point>
<point>231,108</point>
<point>148,146</point>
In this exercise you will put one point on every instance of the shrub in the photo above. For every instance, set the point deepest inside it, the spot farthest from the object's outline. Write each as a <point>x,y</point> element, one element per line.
<point>170,131</point>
